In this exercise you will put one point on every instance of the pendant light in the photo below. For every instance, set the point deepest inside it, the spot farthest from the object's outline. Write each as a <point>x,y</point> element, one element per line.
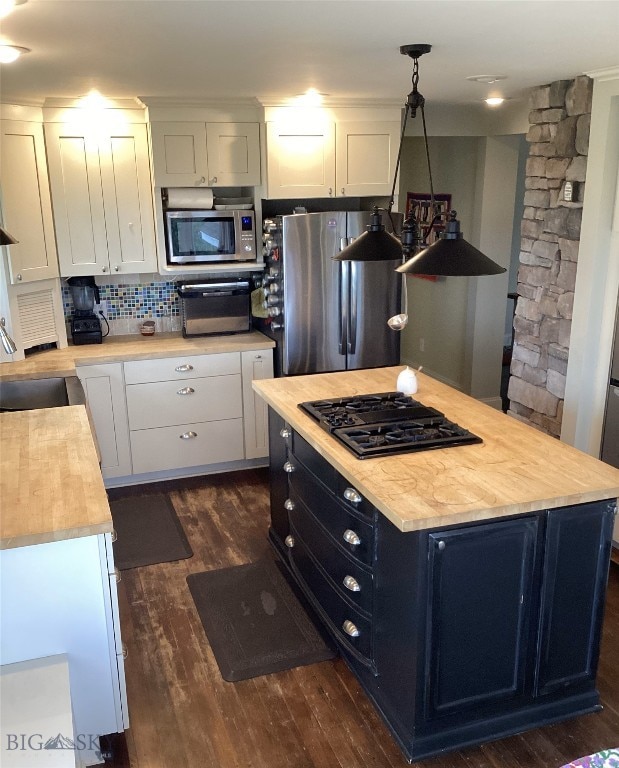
<point>450,254</point>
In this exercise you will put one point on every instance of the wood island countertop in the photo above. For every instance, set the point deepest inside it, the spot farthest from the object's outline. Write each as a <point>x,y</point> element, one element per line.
<point>50,483</point>
<point>62,362</point>
<point>517,469</point>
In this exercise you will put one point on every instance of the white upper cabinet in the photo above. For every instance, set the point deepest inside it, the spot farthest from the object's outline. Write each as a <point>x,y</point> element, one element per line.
<point>26,205</point>
<point>102,199</point>
<point>194,154</point>
<point>334,159</point>
<point>365,157</point>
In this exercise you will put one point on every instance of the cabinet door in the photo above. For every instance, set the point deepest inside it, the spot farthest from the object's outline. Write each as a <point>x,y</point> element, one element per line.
<point>128,200</point>
<point>26,203</point>
<point>179,154</point>
<point>255,365</point>
<point>479,614</point>
<point>77,200</point>
<point>366,155</point>
<point>105,393</point>
<point>233,154</point>
<point>576,560</point>
<point>301,160</point>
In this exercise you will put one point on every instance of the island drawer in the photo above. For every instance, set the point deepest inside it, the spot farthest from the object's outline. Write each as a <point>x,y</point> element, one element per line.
<point>349,626</point>
<point>185,367</point>
<point>165,403</point>
<point>352,532</point>
<point>347,576</point>
<point>187,445</point>
<point>328,475</point>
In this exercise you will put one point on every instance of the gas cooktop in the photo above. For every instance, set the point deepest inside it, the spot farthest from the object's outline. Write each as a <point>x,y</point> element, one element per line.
<point>386,423</point>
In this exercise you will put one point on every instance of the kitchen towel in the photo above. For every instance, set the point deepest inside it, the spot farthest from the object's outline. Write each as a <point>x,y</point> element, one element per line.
<point>254,622</point>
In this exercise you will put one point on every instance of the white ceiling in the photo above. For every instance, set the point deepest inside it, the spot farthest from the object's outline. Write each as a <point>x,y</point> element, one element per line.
<point>274,49</point>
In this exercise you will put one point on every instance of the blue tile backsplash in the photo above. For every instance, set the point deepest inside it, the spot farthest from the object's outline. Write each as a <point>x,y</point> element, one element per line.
<point>133,301</point>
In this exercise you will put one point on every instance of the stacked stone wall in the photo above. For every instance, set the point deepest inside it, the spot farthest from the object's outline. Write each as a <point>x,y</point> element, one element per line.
<point>550,233</point>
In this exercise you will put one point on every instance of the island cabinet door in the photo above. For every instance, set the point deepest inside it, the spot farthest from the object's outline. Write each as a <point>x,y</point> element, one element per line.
<point>478,629</point>
<point>279,437</point>
<point>576,560</point>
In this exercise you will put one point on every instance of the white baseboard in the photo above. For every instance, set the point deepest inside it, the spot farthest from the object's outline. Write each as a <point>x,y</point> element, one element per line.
<point>177,474</point>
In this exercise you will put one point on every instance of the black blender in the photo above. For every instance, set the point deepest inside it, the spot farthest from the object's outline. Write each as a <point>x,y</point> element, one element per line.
<point>85,325</point>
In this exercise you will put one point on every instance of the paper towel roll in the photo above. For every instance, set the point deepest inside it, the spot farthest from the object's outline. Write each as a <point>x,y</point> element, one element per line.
<point>187,197</point>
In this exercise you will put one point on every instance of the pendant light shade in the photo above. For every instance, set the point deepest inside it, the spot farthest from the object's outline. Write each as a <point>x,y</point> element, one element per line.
<point>375,244</point>
<point>451,255</point>
<point>6,238</point>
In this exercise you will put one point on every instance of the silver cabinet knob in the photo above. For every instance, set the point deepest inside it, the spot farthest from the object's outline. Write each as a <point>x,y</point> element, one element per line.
<point>188,435</point>
<point>351,583</point>
<point>186,391</point>
<point>184,368</point>
<point>288,467</point>
<point>114,535</point>
<point>284,432</point>
<point>330,191</point>
<point>104,269</point>
<point>214,180</point>
<point>350,628</point>
<point>274,311</point>
<point>272,300</point>
<point>343,191</point>
<point>19,277</point>
<point>289,505</point>
<point>289,541</point>
<point>353,496</point>
<point>350,537</point>
<point>202,179</point>
<point>441,546</point>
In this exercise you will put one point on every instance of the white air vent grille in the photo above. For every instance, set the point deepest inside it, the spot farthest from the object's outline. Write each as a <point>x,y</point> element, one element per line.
<point>36,318</point>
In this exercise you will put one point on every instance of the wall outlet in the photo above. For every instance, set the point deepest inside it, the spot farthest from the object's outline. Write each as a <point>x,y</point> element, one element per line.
<point>101,307</point>
<point>422,345</point>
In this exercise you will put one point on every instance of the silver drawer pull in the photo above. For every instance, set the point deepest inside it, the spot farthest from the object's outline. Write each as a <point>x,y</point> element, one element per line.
<point>353,496</point>
<point>184,368</point>
<point>285,433</point>
<point>350,628</point>
<point>289,505</point>
<point>350,537</point>
<point>289,541</point>
<point>288,467</point>
<point>352,584</point>
<point>186,391</point>
<point>188,435</point>
<point>441,545</point>
<point>114,534</point>
<point>117,575</point>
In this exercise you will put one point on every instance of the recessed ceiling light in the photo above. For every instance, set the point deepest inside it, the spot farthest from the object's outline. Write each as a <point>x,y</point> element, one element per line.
<point>6,6</point>
<point>9,53</point>
<point>311,98</point>
<point>494,101</point>
<point>487,79</point>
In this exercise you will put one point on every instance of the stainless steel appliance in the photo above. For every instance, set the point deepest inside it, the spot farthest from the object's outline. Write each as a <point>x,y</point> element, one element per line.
<point>610,439</point>
<point>204,236</point>
<point>386,423</point>
<point>215,306</point>
<point>327,315</point>
<point>85,325</point>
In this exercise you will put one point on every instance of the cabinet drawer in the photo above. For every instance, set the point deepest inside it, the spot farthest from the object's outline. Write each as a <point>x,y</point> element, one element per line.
<point>208,443</point>
<point>182,367</point>
<point>165,403</point>
<point>336,610</point>
<point>338,521</point>
<point>353,581</point>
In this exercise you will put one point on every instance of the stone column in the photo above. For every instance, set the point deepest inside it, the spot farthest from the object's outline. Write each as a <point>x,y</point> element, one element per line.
<point>550,232</point>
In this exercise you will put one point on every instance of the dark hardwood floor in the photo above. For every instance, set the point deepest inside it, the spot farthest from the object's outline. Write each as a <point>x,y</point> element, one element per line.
<point>183,715</point>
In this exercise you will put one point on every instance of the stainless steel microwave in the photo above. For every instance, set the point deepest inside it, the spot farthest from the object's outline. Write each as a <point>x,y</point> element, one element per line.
<point>201,237</point>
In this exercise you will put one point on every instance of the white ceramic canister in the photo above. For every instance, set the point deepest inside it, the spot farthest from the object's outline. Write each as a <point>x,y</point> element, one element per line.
<point>407,381</point>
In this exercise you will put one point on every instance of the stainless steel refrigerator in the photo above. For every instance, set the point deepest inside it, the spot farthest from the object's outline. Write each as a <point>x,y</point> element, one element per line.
<point>327,315</point>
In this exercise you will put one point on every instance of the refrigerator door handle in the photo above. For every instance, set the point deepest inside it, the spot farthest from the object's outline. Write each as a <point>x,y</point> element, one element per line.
<point>352,314</point>
<point>344,273</point>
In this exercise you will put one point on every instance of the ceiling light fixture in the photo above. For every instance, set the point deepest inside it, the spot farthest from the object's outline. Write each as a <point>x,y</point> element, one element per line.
<point>487,79</point>
<point>10,53</point>
<point>450,254</point>
<point>6,6</point>
<point>494,101</point>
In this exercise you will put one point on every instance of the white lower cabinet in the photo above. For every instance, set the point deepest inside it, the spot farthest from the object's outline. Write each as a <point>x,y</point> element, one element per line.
<point>60,598</point>
<point>105,393</point>
<point>255,365</point>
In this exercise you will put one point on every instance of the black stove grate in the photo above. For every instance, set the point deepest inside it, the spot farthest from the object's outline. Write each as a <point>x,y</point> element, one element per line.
<point>387,423</point>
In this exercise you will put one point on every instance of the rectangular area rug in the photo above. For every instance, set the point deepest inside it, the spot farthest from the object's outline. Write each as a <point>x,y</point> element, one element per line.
<point>254,622</point>
<point>148,530</point>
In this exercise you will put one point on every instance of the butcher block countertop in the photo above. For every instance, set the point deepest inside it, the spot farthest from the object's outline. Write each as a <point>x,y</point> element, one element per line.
<point>50,483</point>
<point>62,362</point>
<point>516,469</point>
